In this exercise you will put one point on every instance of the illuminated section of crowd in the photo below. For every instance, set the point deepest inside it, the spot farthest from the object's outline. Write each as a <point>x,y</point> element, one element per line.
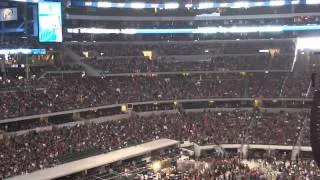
<point>178,164</point>
<point>37,150</point>
<point>216,167</point>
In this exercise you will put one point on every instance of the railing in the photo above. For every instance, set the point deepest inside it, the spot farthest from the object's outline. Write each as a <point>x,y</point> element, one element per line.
<point>248,100</point>
<point>59,72</point>
<point>195,72</point>
<point>297,148</point>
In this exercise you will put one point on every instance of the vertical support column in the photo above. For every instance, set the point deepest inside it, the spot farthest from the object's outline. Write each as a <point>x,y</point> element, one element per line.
<point>197,150</point>
<point>3,67</point>
<point>271,60</point>
<point>75,115</point>
<point>25,18</point>
<point>2,62</point>
<point>244,151</point>
<point>292,9</point>
<point>27,69</point>
<point>35,20</point>
<point>284,104</point>
<point>44,120</point>
<point>245,87</point>
<point>2,33</point>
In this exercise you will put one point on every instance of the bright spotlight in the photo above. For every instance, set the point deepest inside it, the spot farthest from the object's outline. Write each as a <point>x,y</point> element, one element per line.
<point>308,43</point>
<point>156,166</point>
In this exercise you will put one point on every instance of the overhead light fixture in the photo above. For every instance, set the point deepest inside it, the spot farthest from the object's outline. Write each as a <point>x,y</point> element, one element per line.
<point>88,3</point>
<point>171,5</point>
<point>137,5</point>
<point>244,4</point>
<point>105,4</point>
<point>205,5</point>
<point>312,2</point>
<point>188,5</point>
<point>263,51</point>
<point>121,5</point>
<point>277,3</point>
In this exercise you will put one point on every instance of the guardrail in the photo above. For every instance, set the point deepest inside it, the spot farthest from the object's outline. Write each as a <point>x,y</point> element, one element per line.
<point>155,102</point>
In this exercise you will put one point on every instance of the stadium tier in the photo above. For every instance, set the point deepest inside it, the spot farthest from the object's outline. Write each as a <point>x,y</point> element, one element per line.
<point>202,128</point>
<point>158,89</point>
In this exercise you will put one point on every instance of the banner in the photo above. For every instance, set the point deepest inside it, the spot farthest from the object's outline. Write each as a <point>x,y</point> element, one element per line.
<point>8,14</point>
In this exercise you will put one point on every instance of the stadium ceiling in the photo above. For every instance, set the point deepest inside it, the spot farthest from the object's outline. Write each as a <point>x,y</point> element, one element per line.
<point>203,5</point>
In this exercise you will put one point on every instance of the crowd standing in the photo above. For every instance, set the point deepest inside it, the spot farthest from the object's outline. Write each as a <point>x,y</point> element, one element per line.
<point>37,150</point>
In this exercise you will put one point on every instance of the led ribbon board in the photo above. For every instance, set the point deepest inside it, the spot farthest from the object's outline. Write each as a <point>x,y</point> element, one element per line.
<point>200,30</point>
<point>203,5</point>
<point>23,51</point>
<point>50,22</point>
<point>26,1</point>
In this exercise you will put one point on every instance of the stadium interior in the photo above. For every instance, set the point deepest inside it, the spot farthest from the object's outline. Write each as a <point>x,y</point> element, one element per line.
<point>159,89</point>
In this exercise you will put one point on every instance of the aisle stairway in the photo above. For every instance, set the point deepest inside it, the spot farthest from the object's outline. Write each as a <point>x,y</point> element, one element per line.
<point>297,147</point>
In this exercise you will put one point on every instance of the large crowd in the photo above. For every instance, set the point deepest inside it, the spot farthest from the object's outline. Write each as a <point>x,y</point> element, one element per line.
<point>167,48</point>
<point>34,150</point>
<point>67,93</point>
<point>234,168</point>
<point>213,167</point>
<point>276,128</point>
<point>143,64</point>
<point>37,150</point>
<point>168,57</point>
<point>168,76</point>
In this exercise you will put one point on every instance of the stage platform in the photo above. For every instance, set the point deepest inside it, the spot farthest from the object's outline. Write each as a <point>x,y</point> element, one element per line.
<point>96,161</point>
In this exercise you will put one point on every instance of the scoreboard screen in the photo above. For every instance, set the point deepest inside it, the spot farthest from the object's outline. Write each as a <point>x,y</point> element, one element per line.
<point>50,22</point>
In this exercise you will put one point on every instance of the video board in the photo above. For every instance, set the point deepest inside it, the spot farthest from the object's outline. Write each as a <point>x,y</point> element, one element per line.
<point>50,22</point>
